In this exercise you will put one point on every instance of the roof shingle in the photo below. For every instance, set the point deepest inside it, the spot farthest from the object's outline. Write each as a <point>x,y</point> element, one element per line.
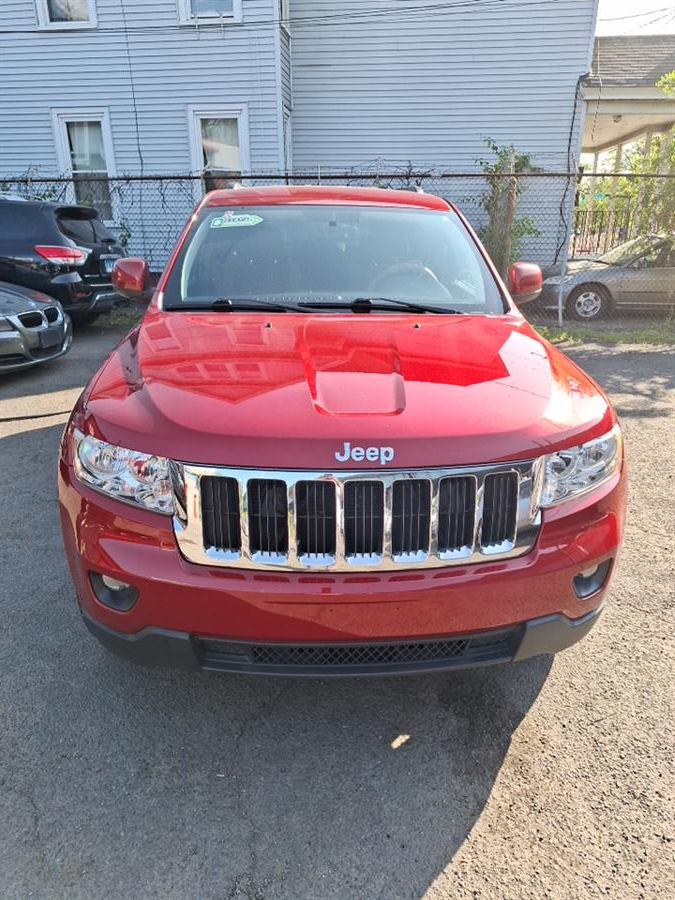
<point>632,61</point>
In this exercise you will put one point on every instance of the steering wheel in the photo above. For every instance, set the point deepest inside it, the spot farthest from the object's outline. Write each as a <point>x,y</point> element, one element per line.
<point>411,278</point>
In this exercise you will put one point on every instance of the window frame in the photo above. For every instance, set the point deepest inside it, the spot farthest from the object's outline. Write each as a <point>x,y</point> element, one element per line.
<point>186,16</point>
<point>45,23</point>
<point>197,112</point>
<point>60,119</point>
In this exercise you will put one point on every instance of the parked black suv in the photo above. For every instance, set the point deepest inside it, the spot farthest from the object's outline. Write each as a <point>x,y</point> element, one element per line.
<point>64,251</point>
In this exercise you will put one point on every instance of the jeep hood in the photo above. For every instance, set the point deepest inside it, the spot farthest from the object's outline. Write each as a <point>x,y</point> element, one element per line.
<point>288,390</point>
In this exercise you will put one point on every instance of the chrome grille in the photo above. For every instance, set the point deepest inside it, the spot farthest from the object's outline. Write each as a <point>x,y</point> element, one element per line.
<point>351,521</point>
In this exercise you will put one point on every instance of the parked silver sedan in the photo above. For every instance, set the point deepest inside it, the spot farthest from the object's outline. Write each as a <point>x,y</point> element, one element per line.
<point>639,274</point>
<point>33,328</point>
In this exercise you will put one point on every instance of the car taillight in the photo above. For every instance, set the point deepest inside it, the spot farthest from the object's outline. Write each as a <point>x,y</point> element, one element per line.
<point>63,256</point>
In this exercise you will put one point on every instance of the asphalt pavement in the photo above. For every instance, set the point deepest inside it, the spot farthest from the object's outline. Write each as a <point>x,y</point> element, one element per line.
<point>552,778</point>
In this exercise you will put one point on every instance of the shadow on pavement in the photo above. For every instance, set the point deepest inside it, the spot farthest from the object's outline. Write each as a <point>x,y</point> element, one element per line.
<point>638,380</point>
<point>122,781</point>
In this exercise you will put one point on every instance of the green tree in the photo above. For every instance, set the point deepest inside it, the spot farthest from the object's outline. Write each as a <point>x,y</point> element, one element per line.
<point>495,201</point>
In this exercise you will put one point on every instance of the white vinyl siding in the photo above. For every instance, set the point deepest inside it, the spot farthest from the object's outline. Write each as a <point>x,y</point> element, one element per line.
<point>173,67</point>
<point>430,86</point>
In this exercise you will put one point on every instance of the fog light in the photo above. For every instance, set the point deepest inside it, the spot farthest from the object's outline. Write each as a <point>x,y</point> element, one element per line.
<point>113,583</point>
<point>591,580</point>
<point>112,592</point>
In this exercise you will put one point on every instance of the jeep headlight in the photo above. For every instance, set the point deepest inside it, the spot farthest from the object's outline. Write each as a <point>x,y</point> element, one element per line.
<point>568,473</point>
<point>128,475</point>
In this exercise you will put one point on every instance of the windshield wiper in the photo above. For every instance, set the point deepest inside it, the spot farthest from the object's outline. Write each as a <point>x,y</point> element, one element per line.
<point>366,304</point>
<point>231,304</point>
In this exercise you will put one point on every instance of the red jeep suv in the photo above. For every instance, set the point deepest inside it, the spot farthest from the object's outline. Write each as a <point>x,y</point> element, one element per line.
<point>334,446</point>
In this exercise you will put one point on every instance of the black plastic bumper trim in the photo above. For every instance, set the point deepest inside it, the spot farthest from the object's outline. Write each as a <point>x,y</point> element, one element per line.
<point>177,649</point>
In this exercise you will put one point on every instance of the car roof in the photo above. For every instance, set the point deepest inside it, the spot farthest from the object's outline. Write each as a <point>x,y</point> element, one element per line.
<point>34,203</point>
<point>290,194</point>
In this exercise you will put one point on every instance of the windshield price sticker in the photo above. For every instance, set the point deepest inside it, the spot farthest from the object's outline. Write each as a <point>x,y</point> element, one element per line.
<point>234,220</point>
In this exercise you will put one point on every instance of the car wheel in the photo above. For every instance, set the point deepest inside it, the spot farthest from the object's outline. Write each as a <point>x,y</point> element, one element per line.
<point>588,301</point>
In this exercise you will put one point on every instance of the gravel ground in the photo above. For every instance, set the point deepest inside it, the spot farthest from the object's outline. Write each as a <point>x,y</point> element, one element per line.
<point>551,778</point>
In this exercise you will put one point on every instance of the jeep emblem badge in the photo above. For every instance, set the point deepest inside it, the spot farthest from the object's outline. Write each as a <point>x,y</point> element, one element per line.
<point>372,454</point>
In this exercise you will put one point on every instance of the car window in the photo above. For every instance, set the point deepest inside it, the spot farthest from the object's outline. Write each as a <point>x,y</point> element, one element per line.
<point>82,226</point>
<point>22,221</point>
<point>76,228</point>
<point>631,250</point>
<point>332,252</point>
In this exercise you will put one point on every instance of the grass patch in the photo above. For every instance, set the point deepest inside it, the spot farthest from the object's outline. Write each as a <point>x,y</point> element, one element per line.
<point>121,317</point>
<point>658,334</point>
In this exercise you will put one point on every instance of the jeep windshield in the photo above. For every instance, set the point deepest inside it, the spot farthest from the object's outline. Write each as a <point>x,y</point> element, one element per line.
<point>300,256</point>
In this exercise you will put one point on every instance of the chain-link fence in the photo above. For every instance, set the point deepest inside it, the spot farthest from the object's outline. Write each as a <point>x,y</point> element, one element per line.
<point>608,257</point>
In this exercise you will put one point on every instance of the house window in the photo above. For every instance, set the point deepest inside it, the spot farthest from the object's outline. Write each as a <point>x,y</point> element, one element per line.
<point>215,10</point>
<point>85,151</point>
<point>220,146</point>
<point>59,14</point>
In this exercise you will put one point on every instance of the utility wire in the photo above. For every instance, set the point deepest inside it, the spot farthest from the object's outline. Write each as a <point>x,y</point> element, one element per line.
<point>641,15</point>
<point>325,20</point>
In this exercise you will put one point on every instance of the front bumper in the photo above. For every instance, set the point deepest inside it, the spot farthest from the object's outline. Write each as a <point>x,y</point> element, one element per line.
<point>548,299</point>
<point>177,649</point>
<point>22,348</point>
<point>498,610</point>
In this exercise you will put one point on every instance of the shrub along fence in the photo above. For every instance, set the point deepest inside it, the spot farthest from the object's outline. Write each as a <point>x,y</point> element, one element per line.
<point>604,255</point>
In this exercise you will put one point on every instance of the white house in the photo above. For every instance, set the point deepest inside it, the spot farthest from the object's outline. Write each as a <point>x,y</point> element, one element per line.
<point>210,87</point>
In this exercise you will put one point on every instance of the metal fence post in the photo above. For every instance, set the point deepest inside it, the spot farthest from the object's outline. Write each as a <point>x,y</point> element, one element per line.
<point>564,260</point>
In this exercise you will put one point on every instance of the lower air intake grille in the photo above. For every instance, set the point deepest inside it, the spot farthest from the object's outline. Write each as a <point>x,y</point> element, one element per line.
<point>354,658</point>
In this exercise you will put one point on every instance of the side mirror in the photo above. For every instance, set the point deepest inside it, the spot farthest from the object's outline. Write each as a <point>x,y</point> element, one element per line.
<point>524,280</point>
<point>130,277</point>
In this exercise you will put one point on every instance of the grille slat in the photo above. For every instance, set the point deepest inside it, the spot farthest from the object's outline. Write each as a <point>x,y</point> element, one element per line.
<point>315,518</point>
<point>456,510</point>
<point>411,512</point>
<point>385,521</point>
<point>364,518</point>
<point>220,513</point>
<point>267,517</point>
<point>500,506</point>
